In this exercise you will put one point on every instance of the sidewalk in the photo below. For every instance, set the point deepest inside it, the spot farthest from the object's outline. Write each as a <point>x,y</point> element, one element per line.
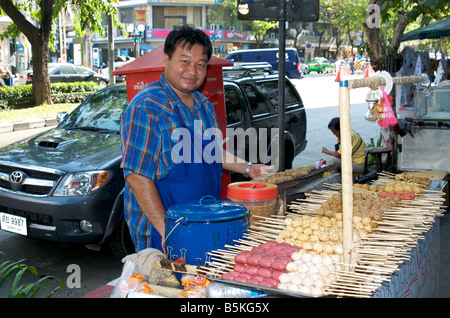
<point>6,127</point>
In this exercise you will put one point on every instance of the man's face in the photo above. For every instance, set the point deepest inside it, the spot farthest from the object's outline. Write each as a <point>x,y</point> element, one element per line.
<point>186,70</point>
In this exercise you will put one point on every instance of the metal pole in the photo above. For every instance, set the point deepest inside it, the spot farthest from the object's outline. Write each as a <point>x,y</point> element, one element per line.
<point>281,84</point>
<point>112,79</point>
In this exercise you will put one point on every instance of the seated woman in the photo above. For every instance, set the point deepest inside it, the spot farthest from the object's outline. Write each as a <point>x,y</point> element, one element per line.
<point>358,146</point>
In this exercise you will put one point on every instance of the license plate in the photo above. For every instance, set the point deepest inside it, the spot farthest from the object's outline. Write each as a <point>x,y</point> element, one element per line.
<point>13,223</point>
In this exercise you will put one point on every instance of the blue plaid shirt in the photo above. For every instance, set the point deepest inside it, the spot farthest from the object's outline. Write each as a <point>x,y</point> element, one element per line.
<point>147,125</point>
<point>146,128</point>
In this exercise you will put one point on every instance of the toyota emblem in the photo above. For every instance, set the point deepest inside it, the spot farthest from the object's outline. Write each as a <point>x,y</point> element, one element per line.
<point>17,178</point>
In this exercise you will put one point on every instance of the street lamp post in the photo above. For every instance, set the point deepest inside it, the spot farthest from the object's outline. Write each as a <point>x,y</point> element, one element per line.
<point>136,33</point>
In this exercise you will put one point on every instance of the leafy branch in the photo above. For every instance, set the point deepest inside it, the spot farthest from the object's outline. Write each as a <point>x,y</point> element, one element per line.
<point>29,290</point>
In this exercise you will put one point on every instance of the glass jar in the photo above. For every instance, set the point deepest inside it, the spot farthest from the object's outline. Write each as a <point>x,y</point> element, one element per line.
<point>260,198</point>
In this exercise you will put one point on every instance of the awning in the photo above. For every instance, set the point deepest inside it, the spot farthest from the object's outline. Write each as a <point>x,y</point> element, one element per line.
<point>432,31</point>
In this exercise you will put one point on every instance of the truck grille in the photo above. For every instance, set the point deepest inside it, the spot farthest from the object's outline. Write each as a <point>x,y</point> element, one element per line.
<point>29,180</point>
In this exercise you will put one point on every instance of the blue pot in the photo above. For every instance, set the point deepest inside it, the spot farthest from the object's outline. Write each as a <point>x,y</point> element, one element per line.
<point>193,229</point>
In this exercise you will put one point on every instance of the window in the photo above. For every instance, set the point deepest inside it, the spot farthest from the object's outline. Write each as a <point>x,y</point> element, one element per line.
<point>82,70</point>
<point>256,100</point>
<point>233,106</point>
<point>66,70</point>
<point>270,88</point>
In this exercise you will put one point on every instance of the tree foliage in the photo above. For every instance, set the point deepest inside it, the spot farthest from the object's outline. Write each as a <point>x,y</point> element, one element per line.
<point>37,21</point>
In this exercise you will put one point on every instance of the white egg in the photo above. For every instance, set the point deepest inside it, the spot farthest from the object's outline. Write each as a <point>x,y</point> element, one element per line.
<point>296,279</point>
<point>320,283</point>
<point>324,271</point>
<point>296,256</point>
<point>327,280</point>
<point>313,269</point>
<point>293,288</point>
<point>291,267</point>
<point>302,268</point>
<point>332,268</point>
<point>284,278</point>
<point>336,258</point>
<point>315,291</point>
<point>308,281</point>
<point>327,260</point>
<point>305,290</point>
<point>283,286</point>
<point>306,257</point>
<point>316,259</point>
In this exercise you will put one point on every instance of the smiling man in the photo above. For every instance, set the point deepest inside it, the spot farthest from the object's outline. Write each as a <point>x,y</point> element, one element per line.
<point>154,180</point>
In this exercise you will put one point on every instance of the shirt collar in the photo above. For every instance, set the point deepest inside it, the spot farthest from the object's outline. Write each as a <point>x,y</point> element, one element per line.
<point>174,100</point>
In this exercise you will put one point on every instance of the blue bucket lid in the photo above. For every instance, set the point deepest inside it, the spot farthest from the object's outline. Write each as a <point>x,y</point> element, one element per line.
<point>207,209</point>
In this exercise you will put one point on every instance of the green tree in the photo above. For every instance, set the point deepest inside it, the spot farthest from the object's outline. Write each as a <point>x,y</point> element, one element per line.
<point>88,15</point>
<point>395,15</point>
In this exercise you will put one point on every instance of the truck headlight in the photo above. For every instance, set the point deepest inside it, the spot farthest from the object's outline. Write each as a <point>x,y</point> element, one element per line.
<point>82,183</point>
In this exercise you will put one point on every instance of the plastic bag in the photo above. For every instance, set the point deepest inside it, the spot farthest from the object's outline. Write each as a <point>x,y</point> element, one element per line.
<point>129,281</point>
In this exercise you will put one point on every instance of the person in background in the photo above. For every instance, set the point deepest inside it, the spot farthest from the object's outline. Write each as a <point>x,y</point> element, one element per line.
<point>12,62</point>
<point>155,180</point>
<point>358,146</point>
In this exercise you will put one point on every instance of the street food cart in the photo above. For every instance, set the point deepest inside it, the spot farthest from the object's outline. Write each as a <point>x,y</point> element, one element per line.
<point>342,240</point>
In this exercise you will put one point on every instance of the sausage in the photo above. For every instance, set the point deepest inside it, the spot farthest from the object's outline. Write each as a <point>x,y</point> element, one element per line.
<point>252,270</point>
<point>253,260</point>
<point>276,274</point>
<point>253,281</point>
<point>267,261</point>
<point>241,258</point>
<point>279,265</point>
<point>238,267</point>
<point>240,279</point>
<point>264,272</point>
<point>228,276</point>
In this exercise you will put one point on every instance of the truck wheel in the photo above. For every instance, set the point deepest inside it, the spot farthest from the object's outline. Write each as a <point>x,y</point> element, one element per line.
<point>120,242</point>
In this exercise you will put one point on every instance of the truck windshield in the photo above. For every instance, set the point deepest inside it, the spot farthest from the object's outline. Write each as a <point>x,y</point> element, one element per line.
<point>101,111</point>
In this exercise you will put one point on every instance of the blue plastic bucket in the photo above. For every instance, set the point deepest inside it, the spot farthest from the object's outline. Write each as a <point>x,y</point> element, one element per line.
<point>193,229</point>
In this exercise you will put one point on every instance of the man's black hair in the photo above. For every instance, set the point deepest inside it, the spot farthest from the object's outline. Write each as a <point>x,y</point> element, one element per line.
<point>334,124</point>
<point>187,36</point>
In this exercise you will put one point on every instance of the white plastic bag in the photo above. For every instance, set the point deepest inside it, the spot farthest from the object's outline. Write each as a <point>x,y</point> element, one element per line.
<point>125,284</point>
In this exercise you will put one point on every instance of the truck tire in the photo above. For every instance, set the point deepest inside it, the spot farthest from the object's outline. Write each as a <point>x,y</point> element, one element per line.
<point>120,241</point>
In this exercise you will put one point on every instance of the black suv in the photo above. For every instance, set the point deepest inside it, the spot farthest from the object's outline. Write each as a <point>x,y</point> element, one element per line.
<point>66,185</point>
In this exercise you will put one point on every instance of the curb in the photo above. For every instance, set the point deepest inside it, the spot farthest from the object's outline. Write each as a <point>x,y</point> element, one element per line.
<point>104,291</point>
<point>27,124</point>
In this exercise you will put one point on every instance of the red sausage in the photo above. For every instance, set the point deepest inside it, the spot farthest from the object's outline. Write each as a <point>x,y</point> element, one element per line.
<point>252,270</point>
<point>246,275</point>
<point>259,278</point>
<point>266,262</point>
<point>276,275</point>
<point>265,272</point>
<point>240,279</point>
<point>228,276</point>
<point>253,281</point>
<point>278,265</point>
<point>239,267</point>
<point>253,260</point>
<point>241,258</point>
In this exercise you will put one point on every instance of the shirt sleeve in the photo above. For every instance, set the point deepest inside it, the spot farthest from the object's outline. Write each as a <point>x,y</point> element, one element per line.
<point>141,143</point>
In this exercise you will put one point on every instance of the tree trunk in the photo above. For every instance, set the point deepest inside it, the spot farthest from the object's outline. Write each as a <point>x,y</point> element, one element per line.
<point>39,38</point>
<point>41,88</point>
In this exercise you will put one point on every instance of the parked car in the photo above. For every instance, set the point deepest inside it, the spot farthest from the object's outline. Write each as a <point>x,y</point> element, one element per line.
<point>292,64</point>
<point>319,65</point>
<point>119,61</point>
<point>66,184</point>
<point>251,100</point>
<point>67,72</point>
